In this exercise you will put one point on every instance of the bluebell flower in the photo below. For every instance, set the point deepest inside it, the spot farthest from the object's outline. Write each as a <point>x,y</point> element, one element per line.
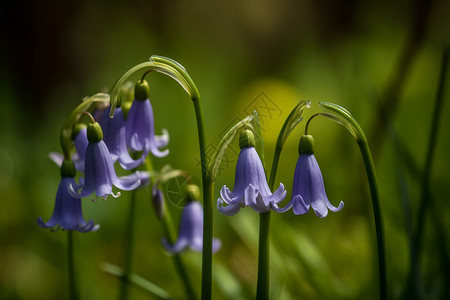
<point>80,142</point>
<point>140,130</point>
<point>308,188</point>
<point>100,175</point>
<point>115,139</point>
<point>250,185</point>
<point>67,213</point>
<point>191,231</point>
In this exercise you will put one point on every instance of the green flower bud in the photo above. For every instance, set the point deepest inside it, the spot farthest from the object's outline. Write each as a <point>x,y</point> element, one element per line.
<point>247,139</point>
<point>68,169</point>
<point>306,145</point>
<point>94,133</point>
<point>141,90</point>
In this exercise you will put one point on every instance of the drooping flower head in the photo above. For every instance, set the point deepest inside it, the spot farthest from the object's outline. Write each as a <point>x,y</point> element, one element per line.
<point>67,213</point>
<point>191,226</point>
<point>114,136</point>
<point>100,175</point>
<point>140,130</point>
<point>250,185</point>
<point>308,189</point>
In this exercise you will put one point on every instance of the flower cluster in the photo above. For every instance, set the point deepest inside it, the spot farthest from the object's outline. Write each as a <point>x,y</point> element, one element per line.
<point>251,188</point>
<point>98,146</point>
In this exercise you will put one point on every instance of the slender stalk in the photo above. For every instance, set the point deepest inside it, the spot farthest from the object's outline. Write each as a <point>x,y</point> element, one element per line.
<point>167,226</point>
<point>262,288</point>
<point>424,201</point>
<point>207,186</point>
<point>344,117</point>
<point>371,177</point>
<point>426,198</point>
<point>129,239</point>
<point>71,267</point>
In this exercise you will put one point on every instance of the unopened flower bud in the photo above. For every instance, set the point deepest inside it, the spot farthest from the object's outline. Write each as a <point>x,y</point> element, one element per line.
<point>94,133</point>
<point>141,90</point>
<point>306,145</point>
<point>158,202</point>
<point>246,139</point>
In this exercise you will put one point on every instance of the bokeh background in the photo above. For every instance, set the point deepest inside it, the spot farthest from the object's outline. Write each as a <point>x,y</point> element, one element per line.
<point>379,59</point>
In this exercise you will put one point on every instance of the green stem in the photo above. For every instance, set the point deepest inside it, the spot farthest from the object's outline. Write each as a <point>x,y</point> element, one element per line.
<point>425,199</point>
<point>371,177</point>
<point>344,117</point>
<point>129,238</point>
<point>262,289</point>
<point>207,186</point>
<point>167,226</point>
<point>71,267</point>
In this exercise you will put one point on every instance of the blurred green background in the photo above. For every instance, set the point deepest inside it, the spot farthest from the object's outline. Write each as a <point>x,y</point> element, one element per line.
<point>242,55</point>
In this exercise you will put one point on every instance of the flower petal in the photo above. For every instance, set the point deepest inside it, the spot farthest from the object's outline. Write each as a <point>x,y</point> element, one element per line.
<point>250,196</point>
<point>332,208</point>
<point>320,208</point>
<point>129,182</point>
<point>179,245</point>
<point>299,206</point>
<point>230,209</point>
<point>225,195</point>
<point>281,210</point>
<point>163,139</point>
<point>197,243</point>
<point>56,157</point>
<point>156,152</point>
<point>278,195</point>
<point>260,205</point>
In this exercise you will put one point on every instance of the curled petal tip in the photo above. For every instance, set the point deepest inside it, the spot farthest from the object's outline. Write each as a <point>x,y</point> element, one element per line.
<point>299,206</point>
<point>334,209</point>
<point>230,209</point>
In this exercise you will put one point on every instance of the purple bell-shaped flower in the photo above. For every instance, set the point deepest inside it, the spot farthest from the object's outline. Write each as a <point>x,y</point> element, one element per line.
<point>191,231</point>
<point>100,175</point>
<point>250,185</point>
<point>67,213</point>
<point>140,130</point>
<point>308,188</point>
<point>114,136</point>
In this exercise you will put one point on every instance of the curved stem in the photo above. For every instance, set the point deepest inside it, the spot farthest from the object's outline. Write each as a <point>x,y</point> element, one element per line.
<point>207,186</point>
<point>129,239</point>
<point>371,177</point>
<point>176,71</point>
<point>71,267</point>
<point>66,131</point>
<point>344,117</point>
